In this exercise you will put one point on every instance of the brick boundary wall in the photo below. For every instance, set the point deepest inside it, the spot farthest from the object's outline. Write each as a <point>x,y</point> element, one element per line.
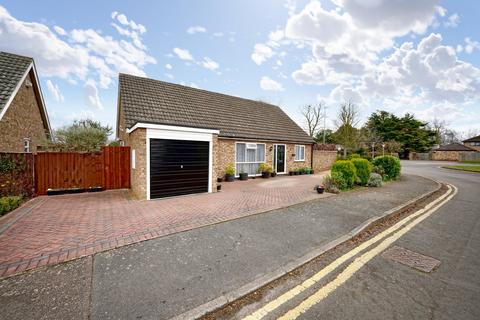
<point>448,155</point>
<point>324,155</point>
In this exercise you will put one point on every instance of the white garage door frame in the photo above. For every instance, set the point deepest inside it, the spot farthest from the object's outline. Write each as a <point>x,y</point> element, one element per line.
<point>157,131</point>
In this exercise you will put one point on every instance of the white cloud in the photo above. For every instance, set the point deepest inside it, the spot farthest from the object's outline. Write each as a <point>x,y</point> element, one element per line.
<point>183,54</point>
<point>196,29</point>
<point>261,53</point>
<point>130,23</point>
<point>86,53</point>
<point>471,45</point>
<point>60,30</point>
<point>91,94</point>
<point>452,21</point>
<point>55,91</point>
<point>268,84</point>
<point>218,34</point>
<point>209,64</point>
<point>168,66</point>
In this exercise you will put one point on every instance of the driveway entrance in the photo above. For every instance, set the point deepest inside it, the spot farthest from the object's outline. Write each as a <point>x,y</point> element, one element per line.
<point>49,230</point>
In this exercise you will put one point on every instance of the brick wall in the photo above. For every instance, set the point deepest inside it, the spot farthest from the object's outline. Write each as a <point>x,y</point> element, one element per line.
<point>22,120</point>
<point>471,145</point>
<point>226,155</point>
<point>323,159</point>
<point>447,155</point>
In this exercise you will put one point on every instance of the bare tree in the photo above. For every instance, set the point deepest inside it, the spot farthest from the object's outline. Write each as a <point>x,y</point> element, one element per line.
<point>347,134</point>
<point>312,115</point>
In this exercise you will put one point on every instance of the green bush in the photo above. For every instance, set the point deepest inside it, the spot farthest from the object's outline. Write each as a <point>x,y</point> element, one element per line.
<point>375,180</point>
<point>354,156</point>
<point>8,204</point>
<point>390,166</point>
<point>230,170</point>
<point>348,171</point>
<point>364,168</point>
<point>334,183</point>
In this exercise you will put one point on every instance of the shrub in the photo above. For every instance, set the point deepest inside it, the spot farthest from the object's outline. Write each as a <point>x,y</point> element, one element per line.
<point>8,204</point>
<point>334,183</point>
<point>230,170</point>
<point>375,180</point>
<point>378,170</point>
<point>348,171</point>
<point>354,156</point>
<point>264,167</point>
<point>364,168</point>
<point>390,166</point>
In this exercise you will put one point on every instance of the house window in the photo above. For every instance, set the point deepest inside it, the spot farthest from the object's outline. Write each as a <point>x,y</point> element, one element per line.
<point>26,145</point>
<point>133,159</point>
<point>248,157</point>
<point>299,153</point>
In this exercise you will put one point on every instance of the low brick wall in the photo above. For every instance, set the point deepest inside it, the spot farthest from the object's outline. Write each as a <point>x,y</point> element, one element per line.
<point>17,174</point>
<point>419,156</point>
<point>323,159</point>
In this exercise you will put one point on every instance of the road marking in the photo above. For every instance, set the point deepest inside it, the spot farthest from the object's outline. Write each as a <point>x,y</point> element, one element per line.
<point>274,304</point>
<point>357,264</point>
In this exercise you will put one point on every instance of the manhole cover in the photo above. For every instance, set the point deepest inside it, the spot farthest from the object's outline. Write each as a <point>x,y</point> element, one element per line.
<point>411,259</point>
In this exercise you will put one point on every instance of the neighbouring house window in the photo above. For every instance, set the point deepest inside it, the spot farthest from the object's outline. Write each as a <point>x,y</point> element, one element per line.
<point>248,157</point>
<point>299,153</point>
<point>26,145</point>
<point>133,158</point>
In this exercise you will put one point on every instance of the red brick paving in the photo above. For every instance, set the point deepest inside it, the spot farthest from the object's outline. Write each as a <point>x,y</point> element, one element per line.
<point>50,230</point>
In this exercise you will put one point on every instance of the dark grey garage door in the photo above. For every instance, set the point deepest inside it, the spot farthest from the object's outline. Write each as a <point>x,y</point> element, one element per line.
<point>178,167</point>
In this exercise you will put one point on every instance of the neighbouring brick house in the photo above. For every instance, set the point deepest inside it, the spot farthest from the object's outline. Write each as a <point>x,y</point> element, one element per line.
<point>24,123</point>
<point>182,139</point>
<point>450,152</point>
<point>473,143</point>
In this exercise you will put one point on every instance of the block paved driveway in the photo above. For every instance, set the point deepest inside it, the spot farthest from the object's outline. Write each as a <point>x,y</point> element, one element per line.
<point>49,230</point>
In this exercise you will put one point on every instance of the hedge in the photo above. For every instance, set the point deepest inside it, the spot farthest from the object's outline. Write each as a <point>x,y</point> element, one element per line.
<point>364,168</point>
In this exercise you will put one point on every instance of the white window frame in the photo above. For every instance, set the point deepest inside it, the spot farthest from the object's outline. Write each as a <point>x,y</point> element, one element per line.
<point>295,150</point>
<point>246,143</point>
<point>26,145</point>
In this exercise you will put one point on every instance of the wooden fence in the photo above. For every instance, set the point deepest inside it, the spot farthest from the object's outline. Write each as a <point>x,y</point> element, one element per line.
<point>109,169</point>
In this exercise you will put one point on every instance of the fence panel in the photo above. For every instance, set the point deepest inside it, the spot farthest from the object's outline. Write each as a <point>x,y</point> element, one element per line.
<point>109,169</point>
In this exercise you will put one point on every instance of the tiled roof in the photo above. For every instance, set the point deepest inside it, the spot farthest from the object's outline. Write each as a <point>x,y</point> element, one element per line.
<point>12,69</point>
<point>454,147</point>
<point>151,101</point>
<point>474,139</point>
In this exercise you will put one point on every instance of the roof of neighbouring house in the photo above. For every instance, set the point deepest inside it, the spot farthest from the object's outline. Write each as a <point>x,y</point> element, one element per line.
<point>13,70</point>
<point>454,147</point>
<point>146,100</point>
<point>474,139</point>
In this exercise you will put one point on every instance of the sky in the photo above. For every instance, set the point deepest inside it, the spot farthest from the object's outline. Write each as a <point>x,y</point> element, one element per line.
<point>421,57</point>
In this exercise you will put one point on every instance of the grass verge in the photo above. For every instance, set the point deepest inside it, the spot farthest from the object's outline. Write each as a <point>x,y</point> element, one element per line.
<point>465,168</point>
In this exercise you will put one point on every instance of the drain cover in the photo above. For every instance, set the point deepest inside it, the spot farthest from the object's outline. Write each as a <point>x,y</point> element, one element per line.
<point>412,259</point>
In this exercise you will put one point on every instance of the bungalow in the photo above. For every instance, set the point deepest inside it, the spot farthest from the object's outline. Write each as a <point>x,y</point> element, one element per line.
<point>473,143</point>
<point>182,139</point>
<point>24,123</point>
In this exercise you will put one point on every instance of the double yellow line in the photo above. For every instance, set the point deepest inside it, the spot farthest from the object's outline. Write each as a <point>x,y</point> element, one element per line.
<point>391,234</point>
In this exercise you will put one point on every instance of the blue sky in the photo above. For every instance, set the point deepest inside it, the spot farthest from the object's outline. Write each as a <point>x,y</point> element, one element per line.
<point>421,57</point>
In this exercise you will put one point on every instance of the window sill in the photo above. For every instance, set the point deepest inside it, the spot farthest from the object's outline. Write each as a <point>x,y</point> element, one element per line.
<point>299,160</point>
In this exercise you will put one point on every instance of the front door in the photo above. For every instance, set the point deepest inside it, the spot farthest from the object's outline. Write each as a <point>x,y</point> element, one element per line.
<point>279,158</point>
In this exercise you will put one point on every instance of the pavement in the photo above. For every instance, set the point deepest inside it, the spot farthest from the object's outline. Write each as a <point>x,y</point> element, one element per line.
<point>386,289</point>
<point>51,230</point>
<point>164,277</point>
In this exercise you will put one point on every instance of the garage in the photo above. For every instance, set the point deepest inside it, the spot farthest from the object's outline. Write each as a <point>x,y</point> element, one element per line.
<point>178,167</point>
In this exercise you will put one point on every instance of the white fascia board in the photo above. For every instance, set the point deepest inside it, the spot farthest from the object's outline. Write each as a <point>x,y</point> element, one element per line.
<point>171,128</point>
